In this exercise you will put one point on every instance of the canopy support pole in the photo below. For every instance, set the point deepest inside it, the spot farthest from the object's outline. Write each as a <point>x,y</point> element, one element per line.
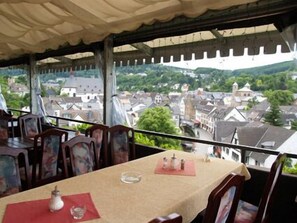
<point>33,85</point>
<point>108,80</point>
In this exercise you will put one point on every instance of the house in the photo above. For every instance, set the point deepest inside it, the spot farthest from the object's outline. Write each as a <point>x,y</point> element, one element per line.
<point>190,103</point>
<point>224,131</point>
<point>202,113</point>
<point>71,102</point>
<point>86,88</point>
<point>264,136</point>
<point>17,88</point>
<point>80,115</point>
<point>257,112</point>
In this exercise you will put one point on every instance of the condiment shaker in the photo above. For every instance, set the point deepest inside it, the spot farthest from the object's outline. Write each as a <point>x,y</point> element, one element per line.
<point>182,164</point>
<point>164,163</point>
<point>56,203</point>
<point>173,162</point>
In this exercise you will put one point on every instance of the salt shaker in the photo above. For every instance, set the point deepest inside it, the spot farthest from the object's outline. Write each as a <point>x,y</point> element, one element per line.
<point>56,203</point>
<point>173,162</point>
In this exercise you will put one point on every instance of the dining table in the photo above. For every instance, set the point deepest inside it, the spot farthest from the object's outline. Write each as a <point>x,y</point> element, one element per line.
<point>18,143</point>
<point>160,190</point>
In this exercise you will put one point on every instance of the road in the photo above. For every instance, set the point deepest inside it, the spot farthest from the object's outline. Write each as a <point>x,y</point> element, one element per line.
<point>201,148</point>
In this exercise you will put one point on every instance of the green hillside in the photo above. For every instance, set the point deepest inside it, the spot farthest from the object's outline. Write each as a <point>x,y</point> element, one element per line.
<point>268,69</point>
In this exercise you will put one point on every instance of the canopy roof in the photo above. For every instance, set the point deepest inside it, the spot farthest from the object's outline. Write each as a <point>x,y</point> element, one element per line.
<point>46,26</point>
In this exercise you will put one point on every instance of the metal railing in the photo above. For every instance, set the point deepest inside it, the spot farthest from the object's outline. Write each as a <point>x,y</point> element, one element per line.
<point>243,149</point>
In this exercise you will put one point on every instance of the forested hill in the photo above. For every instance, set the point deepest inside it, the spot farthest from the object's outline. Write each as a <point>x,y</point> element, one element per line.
<point>268,69</point>
<point>161,78</point>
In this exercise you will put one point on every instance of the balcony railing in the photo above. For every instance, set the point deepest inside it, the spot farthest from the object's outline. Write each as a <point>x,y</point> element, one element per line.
<point>56,121</point>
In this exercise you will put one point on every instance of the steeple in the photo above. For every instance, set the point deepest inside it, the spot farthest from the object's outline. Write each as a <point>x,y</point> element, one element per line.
<point>234,88</point>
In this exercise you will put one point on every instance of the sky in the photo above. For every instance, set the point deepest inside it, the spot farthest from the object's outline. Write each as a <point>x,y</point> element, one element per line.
<point>235,62</point>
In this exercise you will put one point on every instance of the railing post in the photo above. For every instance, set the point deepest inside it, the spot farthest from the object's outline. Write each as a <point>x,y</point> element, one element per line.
<point>57,122</point>
<point>243,155</point>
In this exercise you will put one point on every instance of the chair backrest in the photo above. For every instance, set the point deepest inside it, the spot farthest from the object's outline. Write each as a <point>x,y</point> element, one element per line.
<point>6,131</point>
<point>48,156</point>
<point>270,187</point>
<point>100,133</point>
<point>122,145</point>
<point>10,180</point>
<point>30,125</point>
<point>80,150</point>
<point>171,218</point>
<point>223,200</point>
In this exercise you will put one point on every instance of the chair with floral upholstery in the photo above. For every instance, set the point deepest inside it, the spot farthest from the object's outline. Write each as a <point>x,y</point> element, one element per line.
<point>249,213</point>
<point>30,125</point>
<point>80,150</point>
<point>47,161</point>
<point>171,218</point>
<point>10,180</point>
<point>223,201</point>
<point>122,145</point>
<point>99,133</point>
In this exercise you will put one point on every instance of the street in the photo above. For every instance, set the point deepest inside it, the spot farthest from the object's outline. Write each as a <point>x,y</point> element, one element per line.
<point>201,148</point>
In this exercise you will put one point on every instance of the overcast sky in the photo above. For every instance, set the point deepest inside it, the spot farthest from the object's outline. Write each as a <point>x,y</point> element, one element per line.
<point>232,62</point>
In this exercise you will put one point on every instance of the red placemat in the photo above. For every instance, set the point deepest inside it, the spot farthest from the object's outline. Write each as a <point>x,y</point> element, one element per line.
<point>189,169</point>
<point>37,211</point>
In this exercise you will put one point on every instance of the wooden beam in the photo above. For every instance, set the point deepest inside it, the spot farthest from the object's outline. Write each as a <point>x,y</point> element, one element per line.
<point>63,59</point>
<point>143,48</point>
<point>217,34</point>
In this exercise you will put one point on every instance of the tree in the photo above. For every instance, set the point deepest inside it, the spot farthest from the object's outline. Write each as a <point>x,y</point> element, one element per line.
<point>158,119</point>
<point>251,103</point>
<point>273,117</point>
<point>294,125</point>
<point>281,97</point>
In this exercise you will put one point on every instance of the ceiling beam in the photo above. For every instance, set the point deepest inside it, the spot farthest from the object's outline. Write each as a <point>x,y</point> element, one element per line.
<point>143,48</point>
<point>63,59</point>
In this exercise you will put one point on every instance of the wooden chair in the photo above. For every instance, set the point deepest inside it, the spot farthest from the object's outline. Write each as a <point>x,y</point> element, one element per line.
<point>6,127</point>
<point>223,201</point>
<point>30,125</point>
<point>10,180</point>
<point>122,145</point>
<point>171,218</point>
<point>100,133</point>
<point>81,158</point>
<point>47,157</point>
<point>249,213</point>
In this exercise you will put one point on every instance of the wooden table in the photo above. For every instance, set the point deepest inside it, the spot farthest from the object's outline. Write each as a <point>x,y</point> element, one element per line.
<point>18,142</point>
<point>154,195</point>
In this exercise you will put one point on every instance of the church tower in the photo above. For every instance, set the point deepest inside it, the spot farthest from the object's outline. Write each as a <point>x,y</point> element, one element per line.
<point>234,89</point>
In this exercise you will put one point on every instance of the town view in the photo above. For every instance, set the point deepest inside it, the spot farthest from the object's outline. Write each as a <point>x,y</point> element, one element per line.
<point>253,107</point>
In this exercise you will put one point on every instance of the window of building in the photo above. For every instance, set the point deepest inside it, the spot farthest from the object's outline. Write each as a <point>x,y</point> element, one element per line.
<point>227,151</point>
<point>235,156</point>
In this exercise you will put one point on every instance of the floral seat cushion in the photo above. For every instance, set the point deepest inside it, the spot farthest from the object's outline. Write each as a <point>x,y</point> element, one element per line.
<point>82,159</point>
<point>10,182</point>
<point>246,212</point>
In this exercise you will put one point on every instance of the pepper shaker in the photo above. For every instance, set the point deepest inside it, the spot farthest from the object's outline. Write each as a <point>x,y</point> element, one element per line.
<point>182,164</point>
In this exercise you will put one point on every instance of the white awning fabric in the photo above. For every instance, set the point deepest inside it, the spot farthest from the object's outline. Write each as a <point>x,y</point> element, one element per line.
<point>34,26</point>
